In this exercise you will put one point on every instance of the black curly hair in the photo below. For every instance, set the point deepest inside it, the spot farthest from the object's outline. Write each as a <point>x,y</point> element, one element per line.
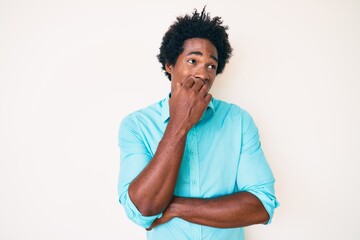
<point>199,25</point>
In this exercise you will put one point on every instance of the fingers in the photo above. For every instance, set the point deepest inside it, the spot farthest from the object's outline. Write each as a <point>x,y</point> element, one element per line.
<point>195,84</point>
<point>188,82</point>
<point>198,83</point>
<point>208,98</point>
<point>204,89</point>
<point>154,224</point>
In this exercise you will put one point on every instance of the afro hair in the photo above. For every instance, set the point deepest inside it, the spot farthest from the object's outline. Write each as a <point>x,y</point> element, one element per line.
<point>197,25</point>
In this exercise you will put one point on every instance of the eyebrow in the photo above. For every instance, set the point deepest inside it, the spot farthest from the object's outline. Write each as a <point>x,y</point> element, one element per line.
<point>200,53</point>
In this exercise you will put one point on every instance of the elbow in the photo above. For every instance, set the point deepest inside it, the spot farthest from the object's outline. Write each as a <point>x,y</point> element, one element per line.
<point>146,208</point>
<point>148,211</point>
<point>149,208</point>
<point>264,217</point>
<point>143,218</point>
<point>260,214</point>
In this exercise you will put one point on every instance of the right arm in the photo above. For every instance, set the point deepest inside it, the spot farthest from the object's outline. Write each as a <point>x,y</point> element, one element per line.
<point>152,190</point>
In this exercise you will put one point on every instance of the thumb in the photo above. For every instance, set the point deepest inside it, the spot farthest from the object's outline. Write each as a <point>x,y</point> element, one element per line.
<point>208,98</point>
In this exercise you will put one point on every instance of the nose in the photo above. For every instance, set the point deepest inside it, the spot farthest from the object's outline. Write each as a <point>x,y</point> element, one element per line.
<point>202,73</point>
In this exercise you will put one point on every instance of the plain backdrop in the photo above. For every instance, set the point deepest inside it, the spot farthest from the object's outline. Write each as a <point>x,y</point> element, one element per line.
<point>71,70</point>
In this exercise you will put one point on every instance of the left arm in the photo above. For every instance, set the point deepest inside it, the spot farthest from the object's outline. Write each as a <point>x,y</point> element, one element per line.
<point>235,210</point>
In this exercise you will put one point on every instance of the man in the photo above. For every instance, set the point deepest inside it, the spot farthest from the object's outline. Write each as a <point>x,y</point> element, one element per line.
<point>192,166</point>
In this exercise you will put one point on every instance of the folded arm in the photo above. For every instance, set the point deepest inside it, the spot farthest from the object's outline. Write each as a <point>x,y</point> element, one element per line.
<point>253,203</point>
<point>235,210</point>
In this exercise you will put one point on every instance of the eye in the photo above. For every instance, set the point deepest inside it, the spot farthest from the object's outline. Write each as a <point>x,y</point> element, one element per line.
<point>212,66</point>
<point>192,61</point>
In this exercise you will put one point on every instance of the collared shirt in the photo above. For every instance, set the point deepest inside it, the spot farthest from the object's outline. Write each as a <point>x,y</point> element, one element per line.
<point>222,156</point>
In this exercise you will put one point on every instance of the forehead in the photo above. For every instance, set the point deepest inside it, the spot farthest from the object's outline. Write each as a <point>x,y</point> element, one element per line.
<point>200,45</point>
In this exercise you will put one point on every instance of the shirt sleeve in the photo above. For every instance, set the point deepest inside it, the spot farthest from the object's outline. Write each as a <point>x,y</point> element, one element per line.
<point>134,156</point>
<point>254,174</point>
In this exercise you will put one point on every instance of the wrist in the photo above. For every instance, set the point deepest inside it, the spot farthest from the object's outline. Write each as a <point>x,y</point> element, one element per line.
<point>181,207</point>
<point>178,129</point>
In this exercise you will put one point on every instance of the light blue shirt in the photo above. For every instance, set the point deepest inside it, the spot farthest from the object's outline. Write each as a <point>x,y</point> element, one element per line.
<point>222,156</point>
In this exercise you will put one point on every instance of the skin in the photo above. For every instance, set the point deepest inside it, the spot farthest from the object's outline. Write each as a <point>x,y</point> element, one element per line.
<point>191,79</point>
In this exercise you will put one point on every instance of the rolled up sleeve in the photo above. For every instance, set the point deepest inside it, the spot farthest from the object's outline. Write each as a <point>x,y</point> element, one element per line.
<point>254,174</point>
<point>134,156</point>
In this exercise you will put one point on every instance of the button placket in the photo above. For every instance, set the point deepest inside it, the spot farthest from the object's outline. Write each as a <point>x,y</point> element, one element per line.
<point>195,175</point>
<point>194,165</point>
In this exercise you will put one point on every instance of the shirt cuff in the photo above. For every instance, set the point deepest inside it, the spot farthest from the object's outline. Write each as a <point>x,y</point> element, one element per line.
<point>268,200</point>
<point>135,215</point>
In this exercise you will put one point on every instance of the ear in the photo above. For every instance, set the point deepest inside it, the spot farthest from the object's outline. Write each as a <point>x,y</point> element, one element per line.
<point>168,68</point>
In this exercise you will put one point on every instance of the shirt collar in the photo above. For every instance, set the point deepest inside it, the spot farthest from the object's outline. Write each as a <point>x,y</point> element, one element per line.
<point>165,113</point>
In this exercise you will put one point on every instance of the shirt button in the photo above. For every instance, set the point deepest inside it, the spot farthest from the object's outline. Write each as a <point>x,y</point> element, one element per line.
<point>192,152</point>
<point>194,182</point>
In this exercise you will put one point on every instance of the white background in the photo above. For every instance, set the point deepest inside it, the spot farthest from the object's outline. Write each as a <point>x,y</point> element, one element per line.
<point>71,70</point>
